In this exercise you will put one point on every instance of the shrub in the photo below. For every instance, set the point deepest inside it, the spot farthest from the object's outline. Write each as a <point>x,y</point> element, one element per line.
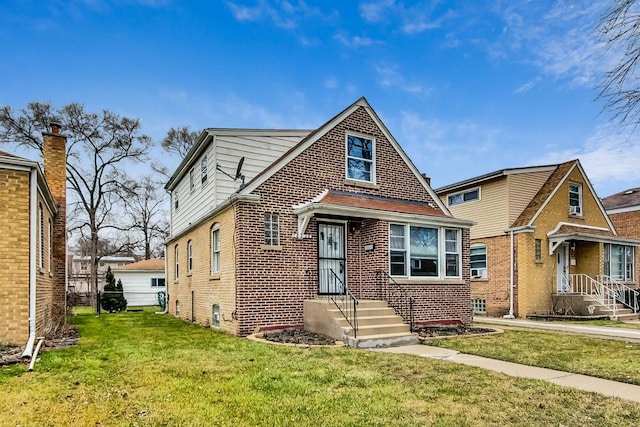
<point>112,299</point>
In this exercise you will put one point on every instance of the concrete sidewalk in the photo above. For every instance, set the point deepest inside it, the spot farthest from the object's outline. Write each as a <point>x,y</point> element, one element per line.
<point>566,379</point>
<point>570,328</point>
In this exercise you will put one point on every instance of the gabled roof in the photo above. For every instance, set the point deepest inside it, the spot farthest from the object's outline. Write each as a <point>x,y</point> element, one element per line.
<point>321,131</point>
<point>549,189</point>
<point>625,199</point>
<point>491,175</point>
<point>207,135</point>
<point>153,264</point>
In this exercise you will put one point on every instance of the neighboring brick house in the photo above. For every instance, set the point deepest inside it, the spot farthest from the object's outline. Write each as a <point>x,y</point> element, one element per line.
<point>624,210</point>
<point>33,246</point>
<point>334,211</point>
<point>541,234</point>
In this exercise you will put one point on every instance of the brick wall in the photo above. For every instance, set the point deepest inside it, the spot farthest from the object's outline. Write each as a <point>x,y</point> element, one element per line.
<point>14,256</point>
<point>205,287</point>
<point>55,171</point>
<point>627,224</point>
<point>495,289</point>
<point>272,284</point>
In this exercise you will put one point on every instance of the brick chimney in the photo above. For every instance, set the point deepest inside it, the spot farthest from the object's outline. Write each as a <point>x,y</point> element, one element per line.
<point>55,173</point>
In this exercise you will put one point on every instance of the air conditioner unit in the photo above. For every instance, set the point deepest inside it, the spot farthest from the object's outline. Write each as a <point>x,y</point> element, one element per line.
<point>575,210</point>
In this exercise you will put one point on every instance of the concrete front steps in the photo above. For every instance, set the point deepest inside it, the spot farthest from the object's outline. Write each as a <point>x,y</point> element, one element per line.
<point>378,324</point>
<point>622,313</point>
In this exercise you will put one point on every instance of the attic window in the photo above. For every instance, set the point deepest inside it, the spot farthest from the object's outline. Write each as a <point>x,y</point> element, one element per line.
<point>360,158</point>
<point>464,196</point>
<point>203,169</point>
<point>575,199</point>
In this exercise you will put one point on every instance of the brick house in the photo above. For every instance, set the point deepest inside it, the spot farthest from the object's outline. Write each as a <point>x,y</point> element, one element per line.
<point>271,229</point>
<point>542,243</point>
<point>33,248</point>
<point>624,210</point>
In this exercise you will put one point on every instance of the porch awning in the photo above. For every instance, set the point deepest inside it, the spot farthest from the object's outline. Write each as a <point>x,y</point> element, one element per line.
<point>565,232</point>
<point>345,204</point>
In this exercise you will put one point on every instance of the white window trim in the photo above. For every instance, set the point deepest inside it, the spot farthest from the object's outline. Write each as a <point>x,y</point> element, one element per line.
<point>192,180</point>
<point>204,170</point>
<point>215,268</point>
<point>442,252</point>
<point>469,190</point>
<point>483,274</point>
<point>373,157</point>
<point>271,222</point>
<point>580,208</point>
<point>177,262</point>
<point>189,257</point>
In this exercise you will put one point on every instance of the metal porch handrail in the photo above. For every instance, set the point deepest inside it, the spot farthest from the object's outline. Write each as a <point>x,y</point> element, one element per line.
<point>624,294</point>
<point>347,304</point>
<point>402,304</point>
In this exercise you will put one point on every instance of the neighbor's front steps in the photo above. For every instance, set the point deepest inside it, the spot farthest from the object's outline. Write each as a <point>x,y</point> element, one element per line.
<point>623,313</point>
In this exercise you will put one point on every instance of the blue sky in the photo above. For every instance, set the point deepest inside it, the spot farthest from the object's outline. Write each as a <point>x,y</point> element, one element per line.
<point>465,87</point>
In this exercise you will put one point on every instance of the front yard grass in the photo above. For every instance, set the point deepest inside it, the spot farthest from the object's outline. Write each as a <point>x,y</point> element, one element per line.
<point>610,359</point>
<point>145,369</point>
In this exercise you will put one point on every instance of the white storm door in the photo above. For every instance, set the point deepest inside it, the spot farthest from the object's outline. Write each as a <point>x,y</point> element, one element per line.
<point>562,269</point>
<point>331,259</point>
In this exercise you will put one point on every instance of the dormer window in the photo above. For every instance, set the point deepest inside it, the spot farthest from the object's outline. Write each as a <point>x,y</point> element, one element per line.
<point>575,199</point>
<point>360,158</point>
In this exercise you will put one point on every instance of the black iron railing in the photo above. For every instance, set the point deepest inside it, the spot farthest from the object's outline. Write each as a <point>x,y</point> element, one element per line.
<point>396,296</point>
<point>346,302</point>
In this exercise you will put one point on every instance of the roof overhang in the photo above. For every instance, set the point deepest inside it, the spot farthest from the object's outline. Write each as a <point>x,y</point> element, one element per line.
<point>556,240</point>
<point>308,210</point>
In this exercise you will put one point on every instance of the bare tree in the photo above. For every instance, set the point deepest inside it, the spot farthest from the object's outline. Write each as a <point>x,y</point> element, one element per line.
<point>179,141</point>
<point>99,146</point>
<point>145,207</point>
<point>620,32</point>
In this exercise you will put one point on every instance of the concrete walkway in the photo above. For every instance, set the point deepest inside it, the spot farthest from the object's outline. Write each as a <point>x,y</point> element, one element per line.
<point>569,328</point>
<point>580,382</point>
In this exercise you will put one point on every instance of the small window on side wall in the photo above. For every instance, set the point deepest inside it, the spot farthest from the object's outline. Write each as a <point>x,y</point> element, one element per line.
<point>215,249</point>
<point>478,261</point>
<point>271,229</point>
<point>538,250</point>
<point>463,197</point>
<point>575,199</point>
<point>215,315</point>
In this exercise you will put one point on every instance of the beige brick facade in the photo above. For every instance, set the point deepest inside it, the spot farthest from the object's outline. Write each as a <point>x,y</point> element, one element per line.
<point>49,243</point>
<point>263,287</point>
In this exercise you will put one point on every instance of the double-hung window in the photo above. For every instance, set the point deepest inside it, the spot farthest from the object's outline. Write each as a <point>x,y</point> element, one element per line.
<point>189,257</point>
<point>360,158</point>
<point>479,261</point>
<point>619,262</point>
<point>215,250</point>
<point>575,199</point>
<point>203,169</point>
<point>176,259</point>
<point>192,182</point>
<point>423,251</point>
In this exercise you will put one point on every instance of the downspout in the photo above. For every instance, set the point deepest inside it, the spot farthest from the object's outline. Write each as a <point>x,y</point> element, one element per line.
<point>512,284</point>
<point>33,237</point>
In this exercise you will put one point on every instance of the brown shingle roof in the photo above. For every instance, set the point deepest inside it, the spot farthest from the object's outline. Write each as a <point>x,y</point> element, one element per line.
<point>544,193</point>
<point>623,199</point>
<point>357,200</point>
<point>569,229</point>
<point>147,264</point>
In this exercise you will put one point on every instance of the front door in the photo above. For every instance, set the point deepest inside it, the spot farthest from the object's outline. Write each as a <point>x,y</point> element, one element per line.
<point>562,269</point>
<point>331,259</point>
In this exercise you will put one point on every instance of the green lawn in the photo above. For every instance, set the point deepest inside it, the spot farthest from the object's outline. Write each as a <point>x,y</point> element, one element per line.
<point>146,369</point>
<point>610,359</point>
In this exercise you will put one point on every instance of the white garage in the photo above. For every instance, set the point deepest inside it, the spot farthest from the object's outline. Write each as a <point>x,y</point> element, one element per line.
<point>141,281</point>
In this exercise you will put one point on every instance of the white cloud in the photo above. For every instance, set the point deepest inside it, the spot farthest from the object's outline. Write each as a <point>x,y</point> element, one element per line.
<point>527,86</point>
<point>416,18</point>
<point>609,157</point>
<point>376,11</point>
<point>331,82</point>
<point>353,41</point>
<point>282,13</point>
<point>390,77</point>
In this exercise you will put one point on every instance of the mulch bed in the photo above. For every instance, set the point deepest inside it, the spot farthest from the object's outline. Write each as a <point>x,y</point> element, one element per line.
<point>10,355</point>
<point>449,331</point>
<point>297,336</point>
